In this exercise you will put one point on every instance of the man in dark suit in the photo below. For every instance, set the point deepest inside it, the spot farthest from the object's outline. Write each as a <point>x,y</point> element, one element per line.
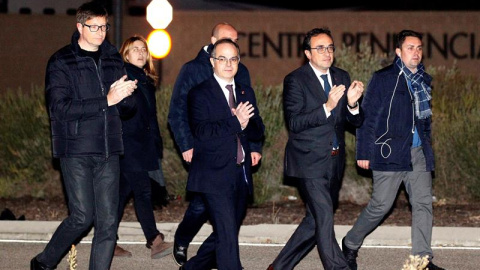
<point>317,106</point>
<point>220,172</point>
<point>192,74</point>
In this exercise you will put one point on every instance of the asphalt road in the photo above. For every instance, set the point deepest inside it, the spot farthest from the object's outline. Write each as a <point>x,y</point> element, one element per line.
<point>15,255</point>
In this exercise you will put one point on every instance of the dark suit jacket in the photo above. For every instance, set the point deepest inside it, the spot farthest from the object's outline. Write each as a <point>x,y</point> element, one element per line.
<point>141,134</point>
<point>213,167</point>
<point>192,74</point>
<point>310,142</point>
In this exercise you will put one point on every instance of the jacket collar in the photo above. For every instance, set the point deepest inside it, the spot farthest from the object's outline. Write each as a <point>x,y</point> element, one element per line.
<point>106,48</point>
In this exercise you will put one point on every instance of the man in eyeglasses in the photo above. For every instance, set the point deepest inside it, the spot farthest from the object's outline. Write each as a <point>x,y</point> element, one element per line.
<point>86,92</point>
<point>318,101</point>
<point>223,118</point>
<point>192,74</point>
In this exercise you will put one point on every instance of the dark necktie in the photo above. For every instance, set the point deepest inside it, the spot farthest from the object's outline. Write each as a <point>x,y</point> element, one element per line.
<point>326,84</point>
<point>232,104</point>
<point>327,87</point>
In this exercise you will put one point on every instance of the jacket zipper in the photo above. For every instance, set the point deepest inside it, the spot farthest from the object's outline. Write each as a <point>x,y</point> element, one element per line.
<point>105,133</point>
<point>412,101</point>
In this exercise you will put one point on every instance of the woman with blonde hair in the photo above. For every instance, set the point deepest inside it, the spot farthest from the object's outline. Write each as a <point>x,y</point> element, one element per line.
<point>142,147</point>
<point>131,46</point>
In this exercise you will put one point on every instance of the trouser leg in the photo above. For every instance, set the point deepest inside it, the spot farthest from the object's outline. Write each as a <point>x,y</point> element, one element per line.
<point>336,176</point>
<point>316,228</point>
<point>193,220</point>
<point>298,245</point>
<point>226,212</point>
<point>142,194</point>
<point>385,188</point>
<point>419,188</point>
<point>124,195</point>
<point>319,202</point>
<point>78,181</point>
<point>106,192</point>
<point>302,240</point>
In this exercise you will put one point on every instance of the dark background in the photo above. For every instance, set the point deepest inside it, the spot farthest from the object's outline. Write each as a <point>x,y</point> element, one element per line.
<point>305,5</point>
<point>309,5</point>
<point>298,5</point>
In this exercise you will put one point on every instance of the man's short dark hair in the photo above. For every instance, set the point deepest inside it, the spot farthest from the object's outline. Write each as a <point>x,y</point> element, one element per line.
<point>91,10</point>
<point>407,33</point>
<point>313,33</point>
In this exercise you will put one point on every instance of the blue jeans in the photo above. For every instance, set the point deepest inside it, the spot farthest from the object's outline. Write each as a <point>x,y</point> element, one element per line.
<point>91,186</point>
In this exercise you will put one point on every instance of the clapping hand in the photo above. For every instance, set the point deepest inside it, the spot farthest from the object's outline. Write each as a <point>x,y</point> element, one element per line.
<point>243,112</point>
<point>355,91</point>
<point>336,93</point>
<point>120,89</point>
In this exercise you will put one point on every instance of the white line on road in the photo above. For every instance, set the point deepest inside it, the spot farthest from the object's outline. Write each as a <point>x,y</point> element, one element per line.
<point>241,244</point>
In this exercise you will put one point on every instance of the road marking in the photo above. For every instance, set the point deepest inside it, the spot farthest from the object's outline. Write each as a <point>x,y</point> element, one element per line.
<point>241,244</point>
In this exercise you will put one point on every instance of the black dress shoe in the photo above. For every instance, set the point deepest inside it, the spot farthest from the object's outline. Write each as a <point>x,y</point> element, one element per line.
<point>431,266</point>
<point>36,265</point>
<point>179,254</point>
<point>351,255</point>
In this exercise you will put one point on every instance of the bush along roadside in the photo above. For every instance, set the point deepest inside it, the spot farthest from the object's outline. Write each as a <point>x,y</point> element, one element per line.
<point>27,168</point>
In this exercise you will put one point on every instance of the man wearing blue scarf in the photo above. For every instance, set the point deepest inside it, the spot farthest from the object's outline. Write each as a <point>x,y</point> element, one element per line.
<point>395,143</point>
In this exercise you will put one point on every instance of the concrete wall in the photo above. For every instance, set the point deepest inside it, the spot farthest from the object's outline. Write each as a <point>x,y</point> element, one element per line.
<point>270,40</point>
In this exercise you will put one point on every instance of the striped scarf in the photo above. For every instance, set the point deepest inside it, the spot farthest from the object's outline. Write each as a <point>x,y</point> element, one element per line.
<point>422,93</point>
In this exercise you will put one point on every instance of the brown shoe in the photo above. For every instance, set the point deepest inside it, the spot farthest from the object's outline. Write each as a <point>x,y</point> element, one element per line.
<point>160,248</point>
<point>120,252</point>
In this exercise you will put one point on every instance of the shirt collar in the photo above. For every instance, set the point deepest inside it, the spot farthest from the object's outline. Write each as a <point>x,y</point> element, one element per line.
<point>318,73</point>
<point>223,83</point>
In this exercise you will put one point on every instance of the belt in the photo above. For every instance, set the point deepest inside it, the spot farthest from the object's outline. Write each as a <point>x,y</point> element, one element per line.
<point>240,164</point>
<point>335,152</point>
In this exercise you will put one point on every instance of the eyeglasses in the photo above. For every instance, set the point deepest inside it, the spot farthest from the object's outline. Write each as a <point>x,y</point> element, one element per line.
<point>94,28</point>
<point>322,49</point>
<point>223,60</point>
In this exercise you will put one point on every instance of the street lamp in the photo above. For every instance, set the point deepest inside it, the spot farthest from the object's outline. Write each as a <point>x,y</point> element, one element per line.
<point>159,15</point>
<point>159,43</point>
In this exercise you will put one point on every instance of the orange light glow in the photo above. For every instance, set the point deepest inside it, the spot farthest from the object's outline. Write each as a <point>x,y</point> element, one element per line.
<point>159,43</point>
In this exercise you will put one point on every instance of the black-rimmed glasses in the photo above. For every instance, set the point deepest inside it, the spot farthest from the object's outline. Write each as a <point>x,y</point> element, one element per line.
<point>323,49</point>
<point>223,60</point>
<point>94,28</point>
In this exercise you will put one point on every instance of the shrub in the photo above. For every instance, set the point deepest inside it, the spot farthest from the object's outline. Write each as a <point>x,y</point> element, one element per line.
<point>26,164</point>
<point>26,167</point>
<point>455,127</point>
